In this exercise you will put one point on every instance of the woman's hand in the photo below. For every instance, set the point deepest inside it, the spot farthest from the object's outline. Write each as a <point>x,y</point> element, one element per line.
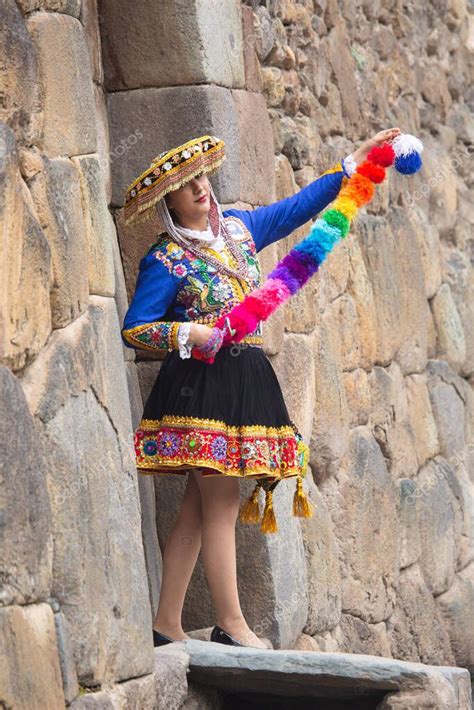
<point>199,334</point>
<point>381,137</point>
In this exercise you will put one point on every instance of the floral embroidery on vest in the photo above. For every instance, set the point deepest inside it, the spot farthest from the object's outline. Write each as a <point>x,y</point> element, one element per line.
<point>204,292</point>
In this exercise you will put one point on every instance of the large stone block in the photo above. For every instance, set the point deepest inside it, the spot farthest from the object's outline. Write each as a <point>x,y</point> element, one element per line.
<point>440,520</point>
<point>90,20</point>
<point>456,606</point>
<point>30,674</point>
<point>21,104</point>
<point>26,528</point>
<point>173,42</point>
<point>357,315</point>
<point>135,128</point>
<point>322,562</point>
<point>356,386</point>
<point>460,276</point>
<point>450,340</point>
<point>66,84</point>
<point>25,266</point>
<point>410,542</point>
<point>416,628</point>
<point>365,521</point>
<point>389,420</point>
<point>106,156</point>
<point>329,437</point>
<point>343,66</point>
<point>421,419</point>
<point>294,366</point>
<point>77,390</point>
<point>393,264</point>
<point>100,228</point>
<point>450,417</point>
<point>256,152</point>
<point>353,635</point>
<point>57,196</point>
<point>427,237</point>
<point>253,73</point>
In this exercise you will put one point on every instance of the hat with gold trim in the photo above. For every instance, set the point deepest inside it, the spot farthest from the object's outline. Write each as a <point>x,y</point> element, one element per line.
<point>170,170</point>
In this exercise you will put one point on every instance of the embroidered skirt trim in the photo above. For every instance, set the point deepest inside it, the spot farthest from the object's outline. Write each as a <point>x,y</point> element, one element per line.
<point>179,442</point>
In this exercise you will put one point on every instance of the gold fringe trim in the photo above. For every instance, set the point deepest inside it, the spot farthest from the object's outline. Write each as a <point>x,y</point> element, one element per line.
<point>143,214</point>
<point>250,511</point>
<point>302,507</point>
<point>269,523</point>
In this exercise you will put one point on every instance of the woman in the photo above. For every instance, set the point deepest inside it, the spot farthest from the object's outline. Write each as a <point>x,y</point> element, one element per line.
<point>218,422</point>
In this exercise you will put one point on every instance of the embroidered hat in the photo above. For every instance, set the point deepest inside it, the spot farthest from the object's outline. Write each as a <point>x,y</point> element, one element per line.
<point>170,170</point>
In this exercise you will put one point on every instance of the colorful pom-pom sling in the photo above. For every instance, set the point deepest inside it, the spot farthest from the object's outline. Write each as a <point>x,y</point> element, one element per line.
<point>294,270</point>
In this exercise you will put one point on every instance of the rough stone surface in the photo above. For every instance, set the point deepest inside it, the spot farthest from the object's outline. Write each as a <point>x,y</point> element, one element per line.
<point>56,195</point>
<point>100,228</point>
<point>255,148</point>
<point>451,344</point>
<point>329,437</point>
<point>30,674</point>
<point>69,112</point>
<point>21,105</point>
<point>456,605</point>
<point>292,674</point>
<point>26,526</point>
<point>25,267</point>
<point>415,627</point>
<point>366,524</point>
<point>177,42</point>
<point>66,656</point>
<point>84,424</point>
<point>440,521</point>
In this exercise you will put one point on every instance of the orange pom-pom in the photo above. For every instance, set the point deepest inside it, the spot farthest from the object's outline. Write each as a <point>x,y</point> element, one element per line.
<point>371,170</point>
<point>383,155</point>
<point>359,188</point>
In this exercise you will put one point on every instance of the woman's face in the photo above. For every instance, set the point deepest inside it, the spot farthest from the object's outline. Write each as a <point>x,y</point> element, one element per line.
<point>190,201</point>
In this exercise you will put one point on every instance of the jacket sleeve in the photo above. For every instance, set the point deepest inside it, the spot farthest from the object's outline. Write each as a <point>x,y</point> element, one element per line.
<point>269,223</point>
<point>155,291</point>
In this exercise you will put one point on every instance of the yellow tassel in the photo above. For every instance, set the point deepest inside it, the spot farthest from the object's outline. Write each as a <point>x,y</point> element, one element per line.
<point>269,523</point>
<point>302,507</point>
<point>250,511</point>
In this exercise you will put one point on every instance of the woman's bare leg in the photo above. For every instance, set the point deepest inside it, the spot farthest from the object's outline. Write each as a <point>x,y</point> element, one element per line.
<point>179,559</point>
<point>220,508</point>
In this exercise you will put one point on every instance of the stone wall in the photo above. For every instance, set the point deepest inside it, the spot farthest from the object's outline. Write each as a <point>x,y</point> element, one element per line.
<point>374,355</point>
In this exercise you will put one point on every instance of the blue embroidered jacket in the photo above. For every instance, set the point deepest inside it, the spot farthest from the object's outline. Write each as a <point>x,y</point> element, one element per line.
<point>174,286</point>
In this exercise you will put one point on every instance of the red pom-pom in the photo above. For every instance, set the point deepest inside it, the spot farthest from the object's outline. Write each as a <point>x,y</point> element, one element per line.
<point>372,171</point>
<point>382,155</point>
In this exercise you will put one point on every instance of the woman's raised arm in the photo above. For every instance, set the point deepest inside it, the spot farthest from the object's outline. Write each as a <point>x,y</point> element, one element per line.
<point>269,223</point>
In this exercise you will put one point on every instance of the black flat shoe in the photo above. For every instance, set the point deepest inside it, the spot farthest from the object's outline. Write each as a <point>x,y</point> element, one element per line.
<point>221,636</point>
<point>160,639</point>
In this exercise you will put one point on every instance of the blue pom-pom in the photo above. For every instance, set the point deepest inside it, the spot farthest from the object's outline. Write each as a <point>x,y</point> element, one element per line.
<point>408,164</point>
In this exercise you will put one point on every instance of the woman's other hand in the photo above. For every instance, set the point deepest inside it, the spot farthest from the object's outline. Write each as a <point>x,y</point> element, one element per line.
<point>199,334</point>
<point>381,137</point>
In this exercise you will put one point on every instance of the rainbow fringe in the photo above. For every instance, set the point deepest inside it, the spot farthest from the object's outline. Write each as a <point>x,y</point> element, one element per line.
<point>294,270</point>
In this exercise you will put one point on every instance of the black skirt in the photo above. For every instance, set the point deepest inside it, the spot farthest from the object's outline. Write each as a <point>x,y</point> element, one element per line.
<point>228,418</point>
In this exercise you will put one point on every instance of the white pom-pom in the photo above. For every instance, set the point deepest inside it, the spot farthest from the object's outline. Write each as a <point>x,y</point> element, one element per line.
<point>405,144</point>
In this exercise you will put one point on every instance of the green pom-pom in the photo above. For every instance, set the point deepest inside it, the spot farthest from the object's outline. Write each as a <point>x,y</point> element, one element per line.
<point>337,219</point>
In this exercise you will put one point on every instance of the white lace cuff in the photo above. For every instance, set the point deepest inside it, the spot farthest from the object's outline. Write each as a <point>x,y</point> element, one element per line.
<point>183,336</point>
<point>350,165</point>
